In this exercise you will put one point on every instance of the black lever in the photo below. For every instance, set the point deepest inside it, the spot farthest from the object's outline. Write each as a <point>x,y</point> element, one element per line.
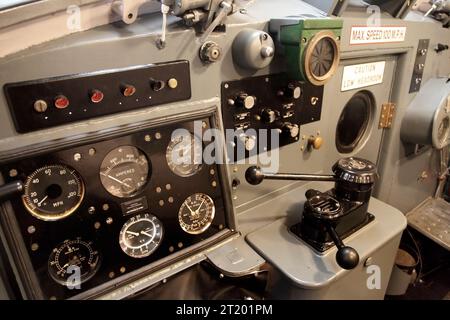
<point>254,175</point>
<point>346,257</point>
<point>10,189</point>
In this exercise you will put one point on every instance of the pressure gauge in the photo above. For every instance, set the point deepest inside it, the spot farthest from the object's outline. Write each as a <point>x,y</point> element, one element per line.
<point>184,155</point>
<point>196,213</point>
<point>77,258</point>
<point>53,192</point>
<point>141,235</point>
<point>124,171</point>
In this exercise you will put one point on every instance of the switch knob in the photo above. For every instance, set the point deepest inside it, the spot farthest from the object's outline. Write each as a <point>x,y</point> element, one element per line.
<point>157,85</point>
<point>315,142</point>
<point>269,115</point>
<point>290,130</point>
<point>248,141</point>
<point>292,91</point>
<point>243,100</point>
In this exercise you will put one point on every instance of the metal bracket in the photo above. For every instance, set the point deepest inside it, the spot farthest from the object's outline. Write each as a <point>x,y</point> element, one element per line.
<point>419,65</point>
<point>386,116</point>
<point>128,9</point>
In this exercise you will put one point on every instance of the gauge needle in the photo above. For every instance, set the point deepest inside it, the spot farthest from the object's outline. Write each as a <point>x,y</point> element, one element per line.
<point>117,180</point>
<point>133,233</point>
<point>192,211</point>
<point>198,209</point>
<point>40,202</point>
<point>146,234</point>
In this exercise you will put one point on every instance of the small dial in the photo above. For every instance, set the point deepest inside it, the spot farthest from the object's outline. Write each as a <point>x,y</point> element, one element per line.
<point>73,262</point>
<point>53,192</point>
<point>184,155</point>
<point>124,171</point>
<point>196,213</point>
<point>141,235</point>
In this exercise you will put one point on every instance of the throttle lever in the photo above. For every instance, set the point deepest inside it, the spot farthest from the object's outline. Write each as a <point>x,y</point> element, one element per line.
<point>346,257</point>
<point>255,175</point>
<point>10,189</point>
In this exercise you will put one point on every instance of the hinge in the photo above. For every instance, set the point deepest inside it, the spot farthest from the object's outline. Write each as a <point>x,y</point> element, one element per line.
<point>386,116</point>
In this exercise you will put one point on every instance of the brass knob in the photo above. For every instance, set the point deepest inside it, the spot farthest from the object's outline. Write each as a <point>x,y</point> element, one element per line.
<point>315,142</point>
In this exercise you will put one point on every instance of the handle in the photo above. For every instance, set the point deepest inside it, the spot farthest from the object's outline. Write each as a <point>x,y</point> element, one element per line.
<point>254,175</point>
<point>346,257</point>
<point>10,189</point>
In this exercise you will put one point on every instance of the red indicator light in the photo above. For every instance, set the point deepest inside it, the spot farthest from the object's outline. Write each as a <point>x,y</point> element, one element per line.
<point>61,102</point>
<point>96,96</point>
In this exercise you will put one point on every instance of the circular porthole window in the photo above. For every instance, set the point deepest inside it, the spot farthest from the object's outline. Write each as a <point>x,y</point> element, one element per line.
<point>354,121</point>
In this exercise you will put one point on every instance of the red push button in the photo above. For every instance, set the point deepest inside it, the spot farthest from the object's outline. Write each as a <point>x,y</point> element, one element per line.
<point>61,102</point>
<point>96,96</point>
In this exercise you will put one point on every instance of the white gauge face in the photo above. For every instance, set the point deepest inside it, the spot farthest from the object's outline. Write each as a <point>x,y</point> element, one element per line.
<point>124,171</point>
<point>184,155</point>
<point>141,235</point>
<point>196,213</point>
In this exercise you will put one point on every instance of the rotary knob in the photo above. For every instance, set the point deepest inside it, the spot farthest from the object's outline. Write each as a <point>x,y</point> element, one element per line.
<point>315,142</point>
<point>292,91</point>
<point>249,142</point>
<point>243,100</point>
<point>290,130</point>
<point>269,115</point>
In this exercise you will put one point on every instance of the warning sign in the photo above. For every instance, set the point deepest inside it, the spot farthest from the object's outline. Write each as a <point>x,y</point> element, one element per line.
<point>362,75</point>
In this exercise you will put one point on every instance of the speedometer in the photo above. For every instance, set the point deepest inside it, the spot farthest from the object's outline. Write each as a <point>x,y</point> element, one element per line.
<point>124,171</point>
<point>53,192</point>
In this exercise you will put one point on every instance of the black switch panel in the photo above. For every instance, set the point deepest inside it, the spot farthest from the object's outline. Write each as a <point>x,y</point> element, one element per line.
<point>268,102</point>
<point>34,104</point>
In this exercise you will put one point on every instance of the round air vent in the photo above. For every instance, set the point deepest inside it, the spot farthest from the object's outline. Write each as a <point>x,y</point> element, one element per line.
<point>354,121</point>
<point>321,57</point>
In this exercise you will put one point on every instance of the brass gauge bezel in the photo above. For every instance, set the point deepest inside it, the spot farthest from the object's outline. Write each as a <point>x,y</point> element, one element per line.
<point>35,212</point>
<point>312,78</point>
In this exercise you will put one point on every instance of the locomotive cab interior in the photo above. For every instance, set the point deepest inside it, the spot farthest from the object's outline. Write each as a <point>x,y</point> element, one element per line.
<point>224,149</point>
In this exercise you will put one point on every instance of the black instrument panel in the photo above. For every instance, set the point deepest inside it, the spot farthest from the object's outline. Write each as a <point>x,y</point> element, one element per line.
<point>136,217</point>
<point>44,103</point>
<point>272,103</point>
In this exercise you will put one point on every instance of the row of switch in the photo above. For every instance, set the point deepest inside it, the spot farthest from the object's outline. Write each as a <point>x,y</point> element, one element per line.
<point>96,96</point>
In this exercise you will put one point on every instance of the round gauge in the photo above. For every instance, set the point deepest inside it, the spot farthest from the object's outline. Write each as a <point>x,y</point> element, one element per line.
<point>196,213</point>
<point>184,154</point>
<point>53,192</point>
<point>141,235</point>
<point>124,171</point>
<point>73,262</point>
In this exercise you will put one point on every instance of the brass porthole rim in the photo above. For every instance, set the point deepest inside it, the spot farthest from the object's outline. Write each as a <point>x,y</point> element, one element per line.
<point>316,80</point>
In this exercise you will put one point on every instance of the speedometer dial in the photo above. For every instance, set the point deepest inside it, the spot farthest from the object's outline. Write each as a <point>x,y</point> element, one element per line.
<point>124,171</point>
<point>53,192</point>
<point>141,235</point>
<point>196,213</point>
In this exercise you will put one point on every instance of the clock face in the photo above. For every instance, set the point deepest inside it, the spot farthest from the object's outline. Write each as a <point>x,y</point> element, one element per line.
<point>141,235</point>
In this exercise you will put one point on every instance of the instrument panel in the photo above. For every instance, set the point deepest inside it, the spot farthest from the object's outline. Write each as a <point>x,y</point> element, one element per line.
<point>97,212</point>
